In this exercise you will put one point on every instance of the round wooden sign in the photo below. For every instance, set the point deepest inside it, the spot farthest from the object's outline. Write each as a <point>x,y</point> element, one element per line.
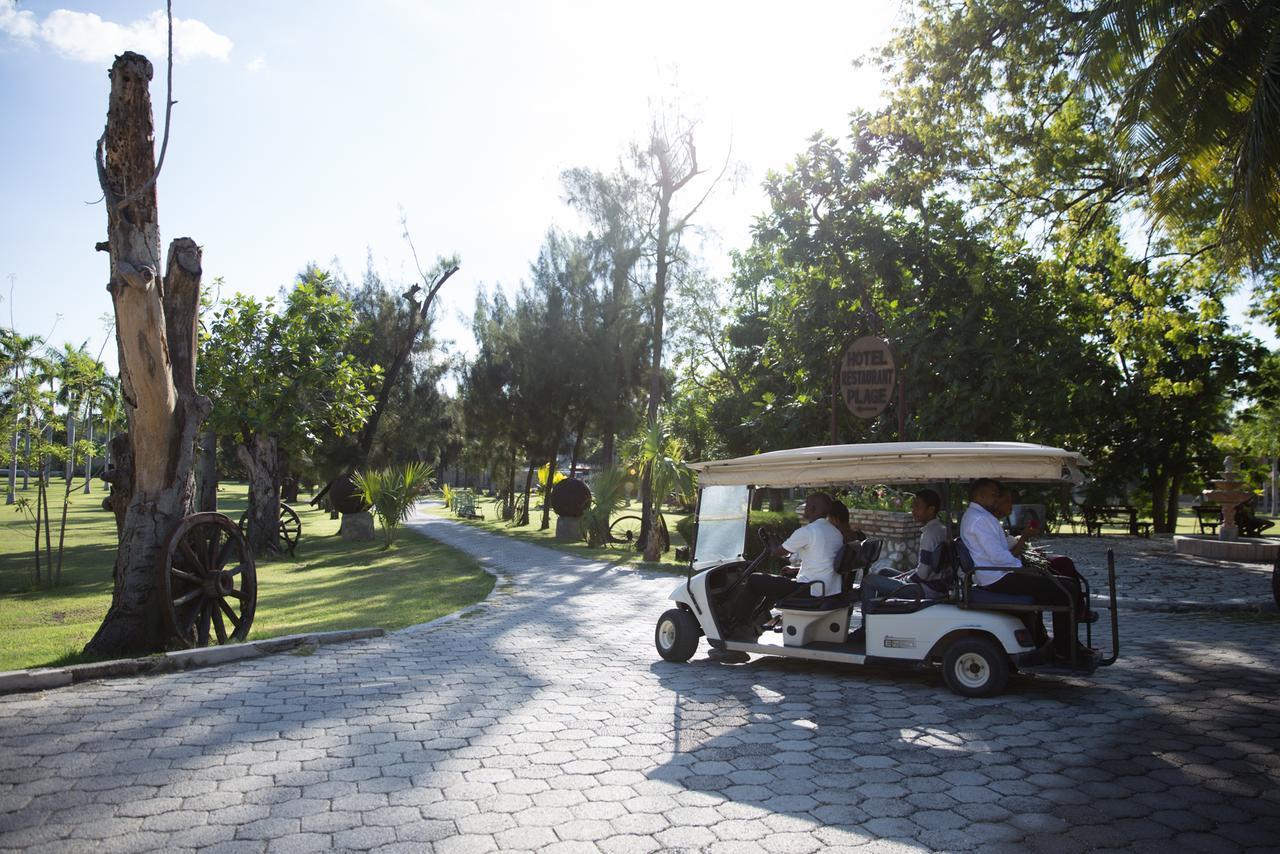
<point>867,376</point>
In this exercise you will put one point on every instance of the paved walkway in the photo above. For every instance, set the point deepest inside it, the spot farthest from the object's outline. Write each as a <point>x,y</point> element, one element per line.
<point>1150,576</point>
<point>546,721</point>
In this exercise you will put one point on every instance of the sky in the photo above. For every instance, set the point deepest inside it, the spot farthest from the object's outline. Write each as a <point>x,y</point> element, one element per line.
<point>303,129</point>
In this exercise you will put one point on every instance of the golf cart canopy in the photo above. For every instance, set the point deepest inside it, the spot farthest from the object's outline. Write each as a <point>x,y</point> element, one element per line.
<point>895,462</point>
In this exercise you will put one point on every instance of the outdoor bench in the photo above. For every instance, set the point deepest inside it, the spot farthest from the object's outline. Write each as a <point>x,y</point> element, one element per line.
<point>1209,517</point>
<point>1098,515</point>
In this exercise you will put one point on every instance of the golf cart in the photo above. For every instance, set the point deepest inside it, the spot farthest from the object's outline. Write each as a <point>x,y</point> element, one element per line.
<point>976,635</point>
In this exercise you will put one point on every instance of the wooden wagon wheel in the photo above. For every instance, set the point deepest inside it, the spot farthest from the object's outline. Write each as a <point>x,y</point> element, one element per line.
<point>290,526</point>
<point>207,581</point>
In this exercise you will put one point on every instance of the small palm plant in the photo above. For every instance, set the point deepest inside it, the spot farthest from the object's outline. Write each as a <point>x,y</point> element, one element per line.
<point>608,494</point>
<point>392,492</point>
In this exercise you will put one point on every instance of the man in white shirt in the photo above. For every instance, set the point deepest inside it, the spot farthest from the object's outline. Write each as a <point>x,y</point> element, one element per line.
<point>817,545</point>
<point>988,545</point>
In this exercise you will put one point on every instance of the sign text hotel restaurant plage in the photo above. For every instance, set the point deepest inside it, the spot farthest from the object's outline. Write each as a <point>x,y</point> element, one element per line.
<point>867,376</point>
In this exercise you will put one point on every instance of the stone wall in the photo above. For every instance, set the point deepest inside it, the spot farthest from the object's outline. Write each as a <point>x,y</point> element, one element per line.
<point>900,533</point>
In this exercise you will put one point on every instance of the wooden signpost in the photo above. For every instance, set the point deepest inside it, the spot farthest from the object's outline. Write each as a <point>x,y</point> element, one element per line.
<point>865,378</point>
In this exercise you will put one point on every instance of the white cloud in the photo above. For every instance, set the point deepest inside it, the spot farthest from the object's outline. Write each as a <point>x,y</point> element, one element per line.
<point>86,37</point>
<point>20,25</point>
<point>256,64</point>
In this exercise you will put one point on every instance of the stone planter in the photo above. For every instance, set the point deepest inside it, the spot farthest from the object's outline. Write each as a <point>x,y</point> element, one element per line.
<point>900,533</point>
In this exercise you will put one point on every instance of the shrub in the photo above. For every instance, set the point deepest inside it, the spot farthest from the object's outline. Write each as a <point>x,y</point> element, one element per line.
<point>608,493</point>
<point>392,492</point>
<point>685,528</point>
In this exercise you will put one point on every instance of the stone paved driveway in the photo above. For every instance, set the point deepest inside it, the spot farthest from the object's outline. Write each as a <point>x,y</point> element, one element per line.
<point>545,721</point>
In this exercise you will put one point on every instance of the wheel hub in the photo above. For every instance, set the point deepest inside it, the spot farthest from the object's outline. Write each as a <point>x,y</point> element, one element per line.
<point>219,584</point>
<point>972,670</point>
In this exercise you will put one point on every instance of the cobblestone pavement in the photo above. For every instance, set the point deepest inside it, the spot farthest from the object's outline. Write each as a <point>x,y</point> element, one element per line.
<point>1149,576</point>
<point>546,721</point>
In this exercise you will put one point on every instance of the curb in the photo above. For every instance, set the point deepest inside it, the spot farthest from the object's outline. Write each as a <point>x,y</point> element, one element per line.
<point>42,678</point>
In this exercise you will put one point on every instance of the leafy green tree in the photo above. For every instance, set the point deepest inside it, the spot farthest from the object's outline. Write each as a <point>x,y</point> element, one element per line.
<point>1056,119</point>
<point>281,380</point>
<point>619,215</point>
<point>17,364</point>
<point>490,417</point>
<point>984,339</point>
<point>1199,109</point>
<point>415,424</point>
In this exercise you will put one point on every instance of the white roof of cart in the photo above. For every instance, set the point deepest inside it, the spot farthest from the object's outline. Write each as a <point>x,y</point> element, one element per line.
<point>895,462</point>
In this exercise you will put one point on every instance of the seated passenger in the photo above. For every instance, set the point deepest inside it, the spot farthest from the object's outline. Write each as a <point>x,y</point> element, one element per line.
<point>988,545</point>
<point>1058,564</point>
<point>927,580</point>
<point>1248,524</point>
<point>839,517</point>
<point>817,546</point>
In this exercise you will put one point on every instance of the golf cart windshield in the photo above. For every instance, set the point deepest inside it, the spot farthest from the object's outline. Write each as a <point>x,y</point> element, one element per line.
<point>722,525</point>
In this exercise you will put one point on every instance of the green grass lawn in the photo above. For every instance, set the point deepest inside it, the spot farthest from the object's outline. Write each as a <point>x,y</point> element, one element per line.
<point>1187,524</point>
<point>330,584</point>
<point>619,554</point>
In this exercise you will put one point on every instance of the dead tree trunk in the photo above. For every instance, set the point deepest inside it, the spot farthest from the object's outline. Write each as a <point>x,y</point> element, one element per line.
<point>120,478</point>
<point>207,473</point>
<point>156,336</point>
<point>261,459</point>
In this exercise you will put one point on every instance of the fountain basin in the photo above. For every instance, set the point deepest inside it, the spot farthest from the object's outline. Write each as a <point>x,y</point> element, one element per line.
<point>1240,550</point>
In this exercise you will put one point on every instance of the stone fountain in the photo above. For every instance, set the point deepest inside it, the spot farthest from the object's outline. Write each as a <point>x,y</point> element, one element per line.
<point>1228,492</point>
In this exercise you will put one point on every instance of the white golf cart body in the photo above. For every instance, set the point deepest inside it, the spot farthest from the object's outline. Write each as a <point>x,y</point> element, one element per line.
<point>913,635</point>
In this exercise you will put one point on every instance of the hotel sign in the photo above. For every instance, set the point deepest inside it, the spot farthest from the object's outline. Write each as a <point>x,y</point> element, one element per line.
<point>867,376</point>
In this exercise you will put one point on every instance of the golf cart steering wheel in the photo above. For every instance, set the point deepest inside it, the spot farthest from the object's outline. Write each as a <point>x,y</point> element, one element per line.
<point>765,536</point>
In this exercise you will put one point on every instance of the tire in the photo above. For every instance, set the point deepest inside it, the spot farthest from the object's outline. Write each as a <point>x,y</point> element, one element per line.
<point>676,635</point>
<point>975,667</point>
<point>1275,583</point>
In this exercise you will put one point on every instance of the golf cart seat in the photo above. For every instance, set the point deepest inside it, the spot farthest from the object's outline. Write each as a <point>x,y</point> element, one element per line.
<point>970,594</point>
<point>943,558</point>
<point>899,605</point>
<point>826,618</point>
<point>851,558</point>
<point>811,618</point>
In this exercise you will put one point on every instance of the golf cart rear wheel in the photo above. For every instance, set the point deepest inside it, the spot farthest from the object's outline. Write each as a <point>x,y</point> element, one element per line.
<point>975,667</point>
<point>676,635</point>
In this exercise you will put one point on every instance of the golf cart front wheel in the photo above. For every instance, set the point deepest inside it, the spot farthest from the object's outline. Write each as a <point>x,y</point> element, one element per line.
<point>975,667</point>
<point>676,635</point>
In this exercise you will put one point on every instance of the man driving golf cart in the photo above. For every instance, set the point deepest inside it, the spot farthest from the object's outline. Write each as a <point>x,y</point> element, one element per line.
<point>976,636</point>
<point>817,546</point>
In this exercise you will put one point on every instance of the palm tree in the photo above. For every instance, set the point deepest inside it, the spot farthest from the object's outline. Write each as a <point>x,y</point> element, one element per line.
<point>1199,86</point>
<point>111,411</point>
<point>96,394</point>
<point>661,460</point>
<point>78,373</point>
<point>16,352</point>
<point>393,492</point>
